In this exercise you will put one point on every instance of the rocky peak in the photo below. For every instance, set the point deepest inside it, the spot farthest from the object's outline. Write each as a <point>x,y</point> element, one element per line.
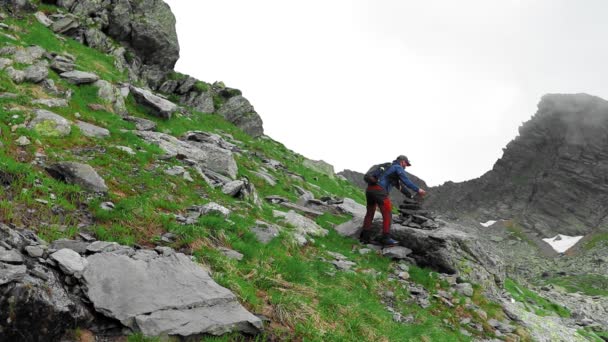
<point>552,177</point>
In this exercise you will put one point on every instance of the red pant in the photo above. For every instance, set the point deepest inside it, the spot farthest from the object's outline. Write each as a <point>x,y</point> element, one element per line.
<point>377,196</point>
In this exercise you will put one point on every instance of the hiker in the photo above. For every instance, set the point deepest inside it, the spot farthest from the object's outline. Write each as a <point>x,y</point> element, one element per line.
<point>376,194</point>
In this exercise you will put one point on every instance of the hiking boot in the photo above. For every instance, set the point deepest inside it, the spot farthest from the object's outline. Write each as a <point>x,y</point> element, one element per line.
<point>387,241</point>
<point>366,236</point>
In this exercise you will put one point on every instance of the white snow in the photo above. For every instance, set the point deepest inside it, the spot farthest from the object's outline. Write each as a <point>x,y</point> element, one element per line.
<point>562,243</point>
<point>487,224</point>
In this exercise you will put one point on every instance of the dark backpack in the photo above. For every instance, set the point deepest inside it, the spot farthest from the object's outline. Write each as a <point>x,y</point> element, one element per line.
<point>372,176</point>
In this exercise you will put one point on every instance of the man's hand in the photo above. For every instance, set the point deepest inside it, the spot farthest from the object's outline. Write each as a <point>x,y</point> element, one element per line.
<point>421,192</point>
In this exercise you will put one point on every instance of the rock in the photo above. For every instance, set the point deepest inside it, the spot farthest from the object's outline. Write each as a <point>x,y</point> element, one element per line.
<point>70,262</point>
<point>66,25</point>
<point>396,252</point>
<point>233,188</point>
<point>4,62</point>
<point>464,289</point>
<point>10,273</point>
<point>79,174</point>
<point>302,224</point>
<point>231,254</point>
<point>10,256</point>
<point>92,131</point>
<point>142,124</point>
<point>207,156</point>
<point>103,246</point>
<point>75,245</point>
<point>28,55</point>
<point>49,124</point>
<point>240,112</point>
<point>62,63</point>
<point>187,302</point>
<point>17,76</point>
<point>34,251</point>
<point>43,19</point>
<point>111,94</point>
<point>343,265</point>
<point>213,207</point>
<point>265,232</point>
<point>126,149</point>
<point>157,105</point>
<point>23,141</point>
<point>79,77</point>
<point>51,102</point>
<point>349,206</point>
<point>40,309</point>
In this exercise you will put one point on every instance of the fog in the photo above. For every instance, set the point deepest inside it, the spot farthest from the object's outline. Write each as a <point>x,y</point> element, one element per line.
<point>359,82</point>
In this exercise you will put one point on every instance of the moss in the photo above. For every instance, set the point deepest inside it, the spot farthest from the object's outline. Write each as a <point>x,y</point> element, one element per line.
<point>47,128</point>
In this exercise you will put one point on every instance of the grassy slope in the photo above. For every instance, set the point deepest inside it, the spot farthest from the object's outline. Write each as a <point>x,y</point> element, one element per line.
<point>289,284</point>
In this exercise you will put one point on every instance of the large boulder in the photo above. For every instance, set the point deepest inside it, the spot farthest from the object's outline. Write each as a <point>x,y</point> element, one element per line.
<point>80,174</point>
<point>164,296</point>
<point>240,112</point>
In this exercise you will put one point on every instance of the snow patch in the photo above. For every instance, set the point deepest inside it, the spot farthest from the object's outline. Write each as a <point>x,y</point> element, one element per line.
<point>562,243</point>
<point>487,224</point>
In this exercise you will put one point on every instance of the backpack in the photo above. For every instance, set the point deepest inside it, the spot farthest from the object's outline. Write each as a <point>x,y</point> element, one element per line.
<point>372,176</point>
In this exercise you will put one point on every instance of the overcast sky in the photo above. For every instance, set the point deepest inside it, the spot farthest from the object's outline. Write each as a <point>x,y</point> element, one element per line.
<point>359,82</point>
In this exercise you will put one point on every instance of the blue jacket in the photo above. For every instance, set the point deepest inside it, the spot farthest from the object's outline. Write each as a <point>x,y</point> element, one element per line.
<point>393,173</point>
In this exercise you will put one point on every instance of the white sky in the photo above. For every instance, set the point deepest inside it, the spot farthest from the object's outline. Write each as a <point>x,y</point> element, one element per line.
<point>359,82</point>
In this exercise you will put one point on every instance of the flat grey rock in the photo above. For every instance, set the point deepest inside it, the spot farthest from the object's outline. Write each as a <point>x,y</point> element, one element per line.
<point>142,124</point>
<point>9,273</point>
<point>10,256</point>
<point>157,105</point>
<point>69,261</point>
<point>265,232</point>
<point>79,77</point>
<point>164,296</point>
<point>92,131</point>
<point>396,252</point>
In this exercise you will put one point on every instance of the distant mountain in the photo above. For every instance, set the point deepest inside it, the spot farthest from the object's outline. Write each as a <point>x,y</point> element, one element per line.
<point>553,177</point>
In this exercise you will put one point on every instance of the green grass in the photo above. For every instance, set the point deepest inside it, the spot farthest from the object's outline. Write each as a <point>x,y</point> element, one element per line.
<point>534,302</point>
<point>600,239</point>
<point>589,284</point>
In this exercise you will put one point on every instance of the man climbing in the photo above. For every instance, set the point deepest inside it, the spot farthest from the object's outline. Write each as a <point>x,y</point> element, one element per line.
<point>376,195</point>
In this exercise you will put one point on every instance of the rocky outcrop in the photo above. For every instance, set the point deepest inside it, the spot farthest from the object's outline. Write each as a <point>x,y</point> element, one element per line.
<point>551,178</point>
<point>103,286</point>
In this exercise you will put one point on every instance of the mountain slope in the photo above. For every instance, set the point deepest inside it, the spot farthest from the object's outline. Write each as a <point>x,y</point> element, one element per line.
<point>155,174</point>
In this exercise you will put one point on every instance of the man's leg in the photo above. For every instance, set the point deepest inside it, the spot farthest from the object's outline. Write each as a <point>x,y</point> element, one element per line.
<point>387,216</point>
<point>365,236</point>
<point>387,219</point>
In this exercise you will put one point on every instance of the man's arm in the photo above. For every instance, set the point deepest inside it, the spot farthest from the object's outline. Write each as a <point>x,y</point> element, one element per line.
<point>407,181</point>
